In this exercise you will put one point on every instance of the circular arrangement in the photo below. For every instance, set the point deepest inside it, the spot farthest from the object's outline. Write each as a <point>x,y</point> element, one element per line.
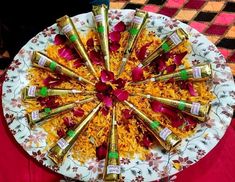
<point>154,162</point>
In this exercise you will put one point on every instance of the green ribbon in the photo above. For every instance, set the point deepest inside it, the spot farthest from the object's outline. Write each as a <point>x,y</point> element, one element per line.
<point>181,105</point>
<point>113,155</point>
<point>184,74</point>
<point>165,47</point>
<point>100,29</point>
<point>71,133</point>
<point>133,31</point>
<point>154,124</point>
<point>47,110</point>
<point>73,38</point>
<point>43,91</point>
<point>52,66</point>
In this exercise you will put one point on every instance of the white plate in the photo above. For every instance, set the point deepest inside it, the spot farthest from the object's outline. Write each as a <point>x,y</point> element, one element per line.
<point>159,164</point>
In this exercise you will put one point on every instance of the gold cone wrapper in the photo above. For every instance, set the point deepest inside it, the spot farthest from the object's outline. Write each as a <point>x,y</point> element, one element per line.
<point>68,28</point>
<point>164,135</point>
<point>42,61</point>
<point>194,109</point>
<point>170,42</point>
<point>32,92</point>
<point>138,23</point>
<point>195,73</point>
<point>38,116</point>
<point>101,19</point>
<point>112,167</point>
<point>58,152</point>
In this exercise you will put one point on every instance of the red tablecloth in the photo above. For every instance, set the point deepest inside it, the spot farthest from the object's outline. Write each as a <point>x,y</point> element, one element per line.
<point>17,166</point>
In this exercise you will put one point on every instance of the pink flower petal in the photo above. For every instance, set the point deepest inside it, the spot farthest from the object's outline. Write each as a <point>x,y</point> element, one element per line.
<point>120,27</point>
<point>101,151</point>
<point>78,63</point>
<point>96,57</point>
<point>171,68</point>
<point>68,122</point>
<point>105,110</point>
<point>114,36</point>
<point>49,102</point>
<point>137,74</point>
<point>191,123</point>
<point>121,95</point>
<point>78,112</point>
<point>51,81</point>
<point>61,133</point>
<point>106,76</point>
<point>169,112</point>
<point>67,53</point>
<point>113,46</point>
<point>120,83</point>
<point>108,102</point>
<point>147,141</point>
<point>191,90</point>
<point>100,96</point>
<point>142,52</point>
<point>59,39</point>
<point>156,106</point>
<point>161,65</point>
<point>127,114</point>
<point>179,57</point>
<point>90,43</point>
<point>103,87</point>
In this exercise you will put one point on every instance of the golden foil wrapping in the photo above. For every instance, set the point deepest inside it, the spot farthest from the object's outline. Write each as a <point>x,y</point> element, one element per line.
<point>112,168</point>
<point>163,134</point>
<point>101,18</point>
<point>170,42</point>
<point>58,152</point>
<point>32,92</point>
<point>68,28</point>
<point>195,73</point>
<point>42,61</point>
<point>138,23</point>
<point>38,116</point>
<point>194,109</point>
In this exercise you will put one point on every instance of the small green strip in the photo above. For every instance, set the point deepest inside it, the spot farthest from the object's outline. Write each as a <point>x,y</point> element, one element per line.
<point>113,155</point>
<point>47,110</point>
<point>184,74</point>
<point>100,29</point>
<point>133,31</point>
<point>73,38</point>
<point>165,47</point>
<point>71,133</point>
<point>154,124</point>
<point>181,105</point>
<point>52,66</point>
<point>43,91</point>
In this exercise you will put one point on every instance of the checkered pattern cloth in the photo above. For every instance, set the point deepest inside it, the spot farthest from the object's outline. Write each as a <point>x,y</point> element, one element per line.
<point>215,19</point>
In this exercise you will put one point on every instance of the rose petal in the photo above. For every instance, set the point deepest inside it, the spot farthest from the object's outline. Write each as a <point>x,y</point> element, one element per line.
<point>104,110</point>
<point>101,87</point>
<point>106,76</point>
<point>191,90</point>
<point>156,106</point>
<point>121,95</point>
<point>68,122</point>
<point>101,151</point>
<point>127,114</point>
<point>179,57</point>
<point>142,52</point>
<point>171,68</point>
<point>137,74</point>
<point>49,102</point>
<point>120,27</point>
<point>61,133</point>
<point>191,123</point>
<point>169,112</point>
<point>120,83</point>
<point>147,141</point>
<point>176,123</point>
<point>51,81</point>
<point>114,36</point>
<point>90,43</point>
<point>78,63</point>
<point>100,96</point>
<point>67,53</point>
<point>59,39</point>
<point>108,102</point>
<point>96,57</point>
<point>78,112</point>
<point>114,46</point>
<point>161,65</point>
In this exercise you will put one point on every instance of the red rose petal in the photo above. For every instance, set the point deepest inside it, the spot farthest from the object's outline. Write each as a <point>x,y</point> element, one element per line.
<point>114,46</point>
<point>191,123</point>
<point>101,87</point>
<point>100,96</point>
<point>59,39</point>
<point>161,65</point>
<point>96,57</point>
<point>61,133</point>
<point>68,122</point>
<point>147,141</point>
<point>142,52</point>
<point>120,27</point>
<point>104,110</point>
<point>169,112</point>
<point>120,83</point>
<point>78,112</point>
<point>78,63</point>
<point>49,102</point>
<point>171,68</point>
<point>156,106</point>
<point>176,123</point>
<point>137,74</point>
<point>101,151</point>
<point>90,43</point>
<point>67,53</point>
<point>106,76</point>
<point>121,95</point>
<point>108,102</point>
<point>191,90</point>
<point>114,36</point>
<point>179,57</point>
<point>127,114</point>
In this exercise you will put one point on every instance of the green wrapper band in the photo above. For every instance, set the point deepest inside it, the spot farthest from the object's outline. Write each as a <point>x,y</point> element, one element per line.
<point>47,110</point>
<point>52,66</point>
<point>165,47</point>
<point>154,124</point>
<point>71,133</point>
<point>73,38</point>
<point>100,29</point>
<point>43,91</point>
<point>181,105</point>
<point>133,31</point>
<point>184,74</point>
<point>113,155</point>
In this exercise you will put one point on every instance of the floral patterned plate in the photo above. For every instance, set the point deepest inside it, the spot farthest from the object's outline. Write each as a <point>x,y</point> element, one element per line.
<point>158,164</point>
